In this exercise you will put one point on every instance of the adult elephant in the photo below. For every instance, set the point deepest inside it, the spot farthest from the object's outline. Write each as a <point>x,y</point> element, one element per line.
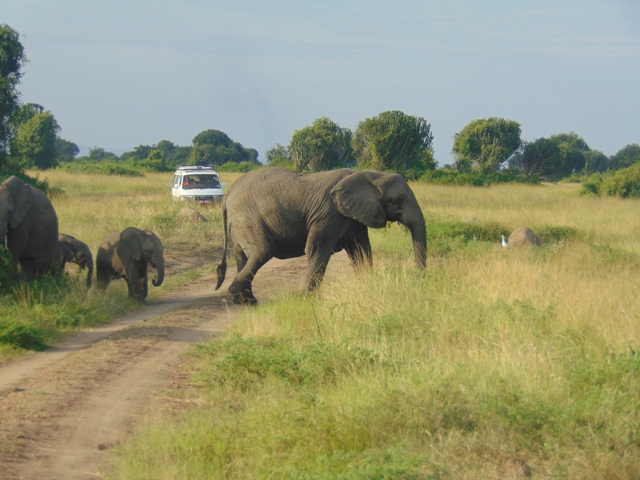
<point>29,223</point>
<point>274,212</point>
<point>76,251</point>
<point>127,255</point>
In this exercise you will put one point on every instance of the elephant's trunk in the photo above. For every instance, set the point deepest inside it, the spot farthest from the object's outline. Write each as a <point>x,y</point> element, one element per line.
<point>414,220</point>
<point>160,268</point>
<point>89,274</point>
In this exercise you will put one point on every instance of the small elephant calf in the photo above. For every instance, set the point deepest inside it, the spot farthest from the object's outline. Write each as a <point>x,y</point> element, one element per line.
<point>127,255</point>
<point>75,251</point>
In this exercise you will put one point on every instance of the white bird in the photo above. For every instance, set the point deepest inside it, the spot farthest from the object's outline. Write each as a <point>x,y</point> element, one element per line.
<point>505,242</point>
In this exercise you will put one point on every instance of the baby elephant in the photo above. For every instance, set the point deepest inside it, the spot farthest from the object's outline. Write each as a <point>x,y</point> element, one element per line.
<point>75,251</point>
<point>127,255</point>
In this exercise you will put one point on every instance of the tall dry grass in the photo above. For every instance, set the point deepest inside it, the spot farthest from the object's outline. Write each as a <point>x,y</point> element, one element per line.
<point>494,363</point>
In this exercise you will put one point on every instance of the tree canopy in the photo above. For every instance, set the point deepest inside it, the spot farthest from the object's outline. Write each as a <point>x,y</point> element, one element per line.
<point>484,145</point>
<point>278,156</point>
<point>34,145</point>
<point>625,157</point>
<point>324,145</point>
<point>558,157</point>
<point>213,147</point>
<point>11,61</point>
<point>66,151</point>
<point>394,141</point>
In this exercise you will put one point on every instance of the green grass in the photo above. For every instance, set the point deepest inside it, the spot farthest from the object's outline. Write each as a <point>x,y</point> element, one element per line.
<point>490,360</point>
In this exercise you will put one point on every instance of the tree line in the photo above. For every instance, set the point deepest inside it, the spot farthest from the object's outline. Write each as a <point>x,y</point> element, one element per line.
<point>390,141</point>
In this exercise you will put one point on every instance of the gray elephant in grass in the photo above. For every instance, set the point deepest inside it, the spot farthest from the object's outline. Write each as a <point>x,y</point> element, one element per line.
<point>76,251</point>
<point>29,223</point>
<point>127,255</point>
<point>274,212</point>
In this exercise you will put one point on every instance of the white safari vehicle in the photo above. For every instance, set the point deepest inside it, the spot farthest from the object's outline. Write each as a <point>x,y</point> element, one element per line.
<point>201,184</point>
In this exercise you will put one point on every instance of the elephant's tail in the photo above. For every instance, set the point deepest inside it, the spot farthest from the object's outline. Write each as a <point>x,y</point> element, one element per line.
<point>222,268</point>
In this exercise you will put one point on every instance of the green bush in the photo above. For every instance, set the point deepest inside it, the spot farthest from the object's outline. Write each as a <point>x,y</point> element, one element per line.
<point>488,232</point>
<point>556,234</point>
<point>238,167</point>
<point>149,165</point>
<point>623,183</point>
<point>454,177</point>
<point>22,335</point>
<point>101,167</point>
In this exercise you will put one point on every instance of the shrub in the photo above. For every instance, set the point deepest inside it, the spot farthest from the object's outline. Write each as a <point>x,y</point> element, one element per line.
<point>238,167</point>
<point>102,167</point>
<point>488,232</point>
<point>623,183</point>
<point>476,179</point>
<point>22,335</point>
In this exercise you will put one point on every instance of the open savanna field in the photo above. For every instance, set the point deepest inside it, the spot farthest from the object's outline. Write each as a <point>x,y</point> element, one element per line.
<point>493,363</point>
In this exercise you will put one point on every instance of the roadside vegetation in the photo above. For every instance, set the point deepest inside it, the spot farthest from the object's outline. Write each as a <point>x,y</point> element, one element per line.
<point>89,207</point>
<point>494,363</point>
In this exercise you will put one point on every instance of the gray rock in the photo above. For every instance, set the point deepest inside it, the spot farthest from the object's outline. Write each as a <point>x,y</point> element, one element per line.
<point>524,237</point>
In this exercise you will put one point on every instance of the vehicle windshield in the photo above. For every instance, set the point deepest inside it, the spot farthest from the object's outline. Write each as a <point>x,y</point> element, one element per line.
<point>200,181</point>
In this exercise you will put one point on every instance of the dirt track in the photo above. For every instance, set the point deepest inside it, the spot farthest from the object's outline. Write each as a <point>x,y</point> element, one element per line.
<point>63,411</point>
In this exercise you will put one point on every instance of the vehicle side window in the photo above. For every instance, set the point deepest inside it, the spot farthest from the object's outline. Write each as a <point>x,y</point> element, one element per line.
<point>176,180</point>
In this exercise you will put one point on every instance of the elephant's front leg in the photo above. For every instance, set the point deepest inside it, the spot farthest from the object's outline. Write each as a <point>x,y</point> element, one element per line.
<point>136,281</point>
<point>142,287</point>
<point>359,249</point>
<point>318,252</point>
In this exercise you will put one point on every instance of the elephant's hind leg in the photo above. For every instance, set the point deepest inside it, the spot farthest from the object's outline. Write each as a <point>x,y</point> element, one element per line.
<point>240,288</point>
<point>241,257</point>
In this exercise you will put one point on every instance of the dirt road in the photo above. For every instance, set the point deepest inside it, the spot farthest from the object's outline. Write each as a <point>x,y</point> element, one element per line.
<point>63,411</point>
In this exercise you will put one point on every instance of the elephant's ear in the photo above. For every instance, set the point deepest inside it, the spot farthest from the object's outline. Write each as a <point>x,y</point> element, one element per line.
<point>130,241</point>
<point>67,254</point>
<point>21,196</point>
<point>357,197</point>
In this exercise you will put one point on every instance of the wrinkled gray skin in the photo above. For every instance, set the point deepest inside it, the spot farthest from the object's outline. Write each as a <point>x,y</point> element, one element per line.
<point>273,212</point>
<point>127,255</point>
<point>29,223</point>
<point>76,251</point>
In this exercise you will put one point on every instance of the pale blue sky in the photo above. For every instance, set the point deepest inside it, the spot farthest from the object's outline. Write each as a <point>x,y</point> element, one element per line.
<point>120,73</point>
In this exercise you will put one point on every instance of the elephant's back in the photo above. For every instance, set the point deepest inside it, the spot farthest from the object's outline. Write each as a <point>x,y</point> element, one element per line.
<point>108,242</point>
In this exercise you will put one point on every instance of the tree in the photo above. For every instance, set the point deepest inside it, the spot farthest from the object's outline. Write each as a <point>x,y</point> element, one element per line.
<point>25,113</point>
<point>11,60</point>
<point>66,151</point>
<point>484,145</point>
<point>595,161</point>
<point>213,147</point>
<point>278,156</point>
<point>396,142</point>
<point>625,157</point>
<point>537,158</point>
<point>34,145</point>
<point>558,157</point>
<point>98,153</point>
<point>571,157</point>
<point>322,146</point>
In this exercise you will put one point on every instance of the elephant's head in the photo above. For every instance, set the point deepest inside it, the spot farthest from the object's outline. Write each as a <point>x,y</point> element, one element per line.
<point>144,245</point>
<point>15,202</point>
<point>375,198</point>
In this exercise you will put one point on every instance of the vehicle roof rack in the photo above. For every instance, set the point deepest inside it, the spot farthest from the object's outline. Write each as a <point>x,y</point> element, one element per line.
<point>195,167</point>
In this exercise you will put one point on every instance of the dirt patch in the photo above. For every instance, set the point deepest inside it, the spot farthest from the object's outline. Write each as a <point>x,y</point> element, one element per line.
<point>63,411</point>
